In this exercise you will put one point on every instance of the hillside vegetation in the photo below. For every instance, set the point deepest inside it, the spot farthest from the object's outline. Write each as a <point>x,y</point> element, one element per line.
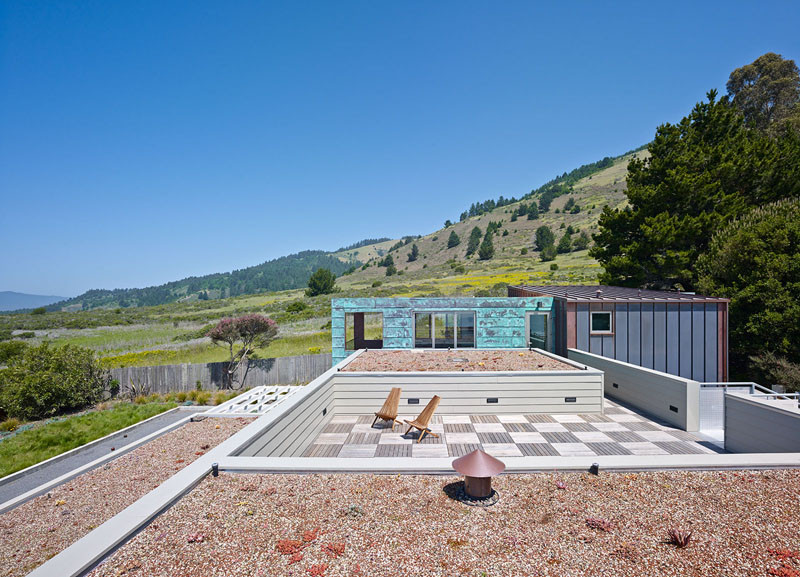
<point>172,332</point>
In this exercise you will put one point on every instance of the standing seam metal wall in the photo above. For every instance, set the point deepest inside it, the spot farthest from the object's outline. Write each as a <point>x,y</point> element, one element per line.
<point>682,339</point>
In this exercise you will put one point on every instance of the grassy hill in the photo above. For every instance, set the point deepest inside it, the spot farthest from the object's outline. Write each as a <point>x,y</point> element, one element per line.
<point>171,332</point>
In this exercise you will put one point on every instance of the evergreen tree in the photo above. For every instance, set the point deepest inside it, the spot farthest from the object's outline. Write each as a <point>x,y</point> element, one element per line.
<point>474,240</point>
<point>533,212</point>
<point>582,242</point>
<point>755,261</point>
<point>486,251</point>
<point>701,173</point>
<point>321,282</point>
<point>544,237</point>
<point>414,254</point>
<point>548,253</point>
<point>453,240</point>
<point>565,244</point>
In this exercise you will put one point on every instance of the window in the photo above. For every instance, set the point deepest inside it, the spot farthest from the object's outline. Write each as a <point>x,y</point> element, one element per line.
<point>363,331</point>
<point>444,330</point>
<point>601,322</point>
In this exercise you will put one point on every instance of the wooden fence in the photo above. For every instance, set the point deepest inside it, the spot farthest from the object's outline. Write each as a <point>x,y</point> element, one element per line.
<point>175,378</point>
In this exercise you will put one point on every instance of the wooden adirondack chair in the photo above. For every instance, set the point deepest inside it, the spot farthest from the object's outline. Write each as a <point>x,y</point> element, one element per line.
<point>388,411</point>
<point>424,419</point>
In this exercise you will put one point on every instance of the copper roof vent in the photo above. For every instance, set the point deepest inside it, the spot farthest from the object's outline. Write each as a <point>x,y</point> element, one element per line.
<point>478,469</point>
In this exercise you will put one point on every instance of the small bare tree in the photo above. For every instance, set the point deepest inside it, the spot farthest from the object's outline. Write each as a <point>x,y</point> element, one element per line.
<point>242,335</point>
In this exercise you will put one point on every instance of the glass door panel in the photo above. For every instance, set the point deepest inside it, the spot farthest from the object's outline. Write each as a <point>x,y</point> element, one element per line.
<point>466,331</point>
<point>422,331</point>
<point>444,330</point>
<point>537,330</point>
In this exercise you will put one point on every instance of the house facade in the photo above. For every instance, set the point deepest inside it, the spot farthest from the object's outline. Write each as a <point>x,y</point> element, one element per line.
<point>440,323</point>
<point>683,334</point>
<point>678,333</point>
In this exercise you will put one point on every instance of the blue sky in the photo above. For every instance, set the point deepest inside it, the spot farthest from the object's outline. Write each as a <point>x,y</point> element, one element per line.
<point>143,142</point>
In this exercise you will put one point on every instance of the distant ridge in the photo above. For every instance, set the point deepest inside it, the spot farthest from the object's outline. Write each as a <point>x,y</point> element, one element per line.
<point>12,301</point>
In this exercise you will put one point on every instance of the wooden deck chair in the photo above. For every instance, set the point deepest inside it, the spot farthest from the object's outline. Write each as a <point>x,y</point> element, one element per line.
<point>424,419</point>
<point>388,411</point>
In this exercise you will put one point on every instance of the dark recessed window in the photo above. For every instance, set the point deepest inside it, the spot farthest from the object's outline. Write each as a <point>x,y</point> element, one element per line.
<point>601,322</point>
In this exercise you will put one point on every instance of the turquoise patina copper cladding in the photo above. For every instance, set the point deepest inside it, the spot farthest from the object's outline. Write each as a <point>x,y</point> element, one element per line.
<point>500,321</point>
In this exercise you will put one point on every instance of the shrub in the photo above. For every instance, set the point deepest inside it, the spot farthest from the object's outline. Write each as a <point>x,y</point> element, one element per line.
<point>377,283</point>
<point>548,253</point>
<point>203,398</point>
<point>220,398</point>
<point>45,381</point>
<point>321,282</point>
<point>505,232</point>
<point>391,270</point>
<point>9,425</point>
<point>10,350</point>
<point>140,400</point>
<point>523,251</point>
<point>39,311</point>
<point>296,307</point>
<point>181,397</point>
<point>554,266</point>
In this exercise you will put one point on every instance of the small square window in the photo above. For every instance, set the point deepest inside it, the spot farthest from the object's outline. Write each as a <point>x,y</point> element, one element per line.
<point>601,322</point>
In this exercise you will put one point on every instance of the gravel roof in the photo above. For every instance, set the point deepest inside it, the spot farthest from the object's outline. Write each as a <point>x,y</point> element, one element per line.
<point>46,525</point>
<point>743,523</point>
<point>443,360</point>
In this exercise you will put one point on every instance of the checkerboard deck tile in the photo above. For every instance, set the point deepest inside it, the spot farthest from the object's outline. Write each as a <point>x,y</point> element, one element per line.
<point>620,431</point>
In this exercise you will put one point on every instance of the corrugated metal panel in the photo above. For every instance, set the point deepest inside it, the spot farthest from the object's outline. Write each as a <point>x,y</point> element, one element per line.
<point>647,335</point>
<point>621,332</point>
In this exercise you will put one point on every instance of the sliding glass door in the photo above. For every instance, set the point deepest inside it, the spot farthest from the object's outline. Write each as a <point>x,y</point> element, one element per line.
<point>444,330</point>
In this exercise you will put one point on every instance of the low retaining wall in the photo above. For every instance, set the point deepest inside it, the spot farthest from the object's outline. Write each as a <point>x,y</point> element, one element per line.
<point>755,425</point>
<point>175,378</point>
<point>673,399</point>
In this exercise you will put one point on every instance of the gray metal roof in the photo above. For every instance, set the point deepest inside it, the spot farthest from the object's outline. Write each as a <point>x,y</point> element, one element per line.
<point>605,293</point>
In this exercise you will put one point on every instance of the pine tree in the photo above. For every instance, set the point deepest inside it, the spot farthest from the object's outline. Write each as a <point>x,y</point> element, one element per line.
<point>474,240</point>
<point>486,251</point>
<point>565,244</point>
<point>454,240</point>
<point>414,254</point>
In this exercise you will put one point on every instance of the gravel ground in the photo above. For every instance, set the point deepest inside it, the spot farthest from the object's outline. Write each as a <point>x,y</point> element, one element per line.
<point>476,360</point>
<point>54,469</point>
<point>743,523</point>
<point>44,526</point>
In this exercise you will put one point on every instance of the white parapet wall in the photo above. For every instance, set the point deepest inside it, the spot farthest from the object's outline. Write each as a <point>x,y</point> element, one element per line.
<point>758,425</point>
<point>673,399</point>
